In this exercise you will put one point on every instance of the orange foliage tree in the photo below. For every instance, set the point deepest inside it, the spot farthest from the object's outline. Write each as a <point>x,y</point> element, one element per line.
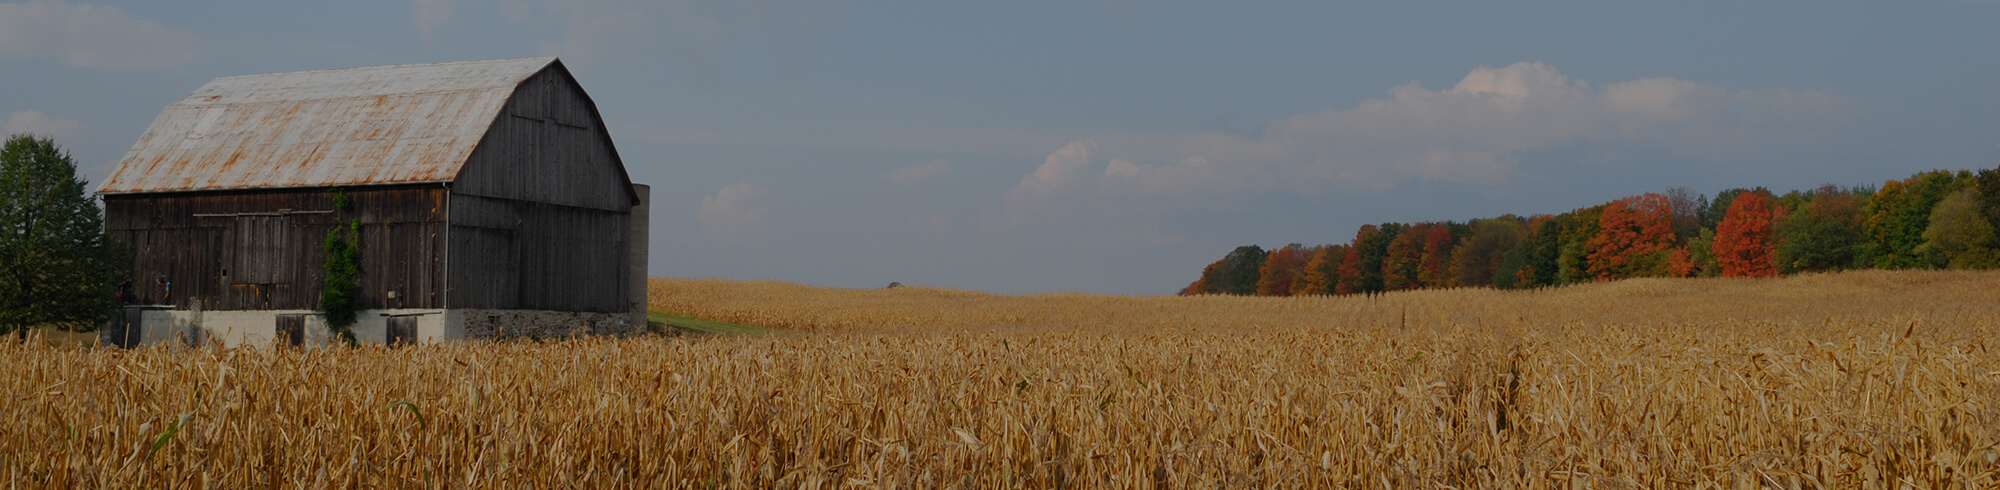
<point>1633,236</point>
<point>1322,270</point>
<point>1282,269</point>
<point>1743,239</point>
<point>1405,255</point>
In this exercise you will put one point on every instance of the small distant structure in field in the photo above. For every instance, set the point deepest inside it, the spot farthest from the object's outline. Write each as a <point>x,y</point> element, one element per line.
<point>489,197</point>
<point>894,285</point>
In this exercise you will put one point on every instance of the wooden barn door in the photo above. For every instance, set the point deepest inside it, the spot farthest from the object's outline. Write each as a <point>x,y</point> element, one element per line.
<point>292,330</point>
<point>402,330</point>
<point>125,329</point>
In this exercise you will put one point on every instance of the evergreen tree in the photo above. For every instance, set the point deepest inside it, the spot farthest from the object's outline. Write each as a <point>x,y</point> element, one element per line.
<point>58,268</point>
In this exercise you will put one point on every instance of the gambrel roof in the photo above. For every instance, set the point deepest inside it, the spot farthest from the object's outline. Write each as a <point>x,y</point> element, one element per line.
<point>356,126</point>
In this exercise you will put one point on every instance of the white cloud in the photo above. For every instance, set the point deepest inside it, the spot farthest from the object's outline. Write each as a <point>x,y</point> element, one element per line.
<point>85,36</point>
<point>731,214</point>
<point>64,131</point>
<point>913,173</point>
<point>1475,134</point>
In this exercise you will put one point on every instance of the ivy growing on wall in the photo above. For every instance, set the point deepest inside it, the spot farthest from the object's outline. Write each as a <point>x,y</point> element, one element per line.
<point>343,270</point>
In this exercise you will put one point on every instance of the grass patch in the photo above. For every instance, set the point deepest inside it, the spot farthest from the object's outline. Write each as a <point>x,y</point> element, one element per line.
<point>660,320</point>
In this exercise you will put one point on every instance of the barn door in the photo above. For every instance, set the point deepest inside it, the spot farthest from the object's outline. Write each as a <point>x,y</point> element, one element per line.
<point>292,330</point>
<point>125,329</point>
<point>402,330</point>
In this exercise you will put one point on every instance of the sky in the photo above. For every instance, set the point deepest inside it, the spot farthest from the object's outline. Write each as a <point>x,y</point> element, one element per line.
<point>1110,146</point>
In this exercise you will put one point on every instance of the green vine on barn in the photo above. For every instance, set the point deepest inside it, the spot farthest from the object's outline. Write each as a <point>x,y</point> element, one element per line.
<point>343,270</point>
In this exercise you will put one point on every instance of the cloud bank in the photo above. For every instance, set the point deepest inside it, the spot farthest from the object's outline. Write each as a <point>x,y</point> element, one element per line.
<point>85,36</point>
<point>1475,134</point>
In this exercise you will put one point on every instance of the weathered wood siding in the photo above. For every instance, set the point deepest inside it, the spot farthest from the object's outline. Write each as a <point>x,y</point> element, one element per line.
<point>540,210</point>
<point>548,146</point>
<point>255,250</point>
<point>512,254</point>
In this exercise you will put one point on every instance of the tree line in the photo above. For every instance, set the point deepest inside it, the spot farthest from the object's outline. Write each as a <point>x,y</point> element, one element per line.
<point>1932,220</point>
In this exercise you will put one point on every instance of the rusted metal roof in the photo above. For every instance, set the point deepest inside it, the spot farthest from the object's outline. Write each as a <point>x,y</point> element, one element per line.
<point>355,126</point>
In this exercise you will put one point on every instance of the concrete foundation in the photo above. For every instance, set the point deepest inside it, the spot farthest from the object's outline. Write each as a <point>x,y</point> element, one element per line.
<point>260,327</point>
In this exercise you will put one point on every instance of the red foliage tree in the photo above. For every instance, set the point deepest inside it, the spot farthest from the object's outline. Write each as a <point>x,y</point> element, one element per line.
<point>1354,273</point>
<point>1434,271</point>
<point>1282,269</point>
<point>1202,286</point>
<point>1632,238</point>
<point>1680,262</point>
<point>1743,240</point>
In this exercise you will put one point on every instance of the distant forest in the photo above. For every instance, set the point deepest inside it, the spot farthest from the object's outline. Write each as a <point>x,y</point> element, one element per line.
<point>1932,220</point>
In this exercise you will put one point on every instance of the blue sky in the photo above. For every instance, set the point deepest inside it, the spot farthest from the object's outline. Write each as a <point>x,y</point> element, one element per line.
<point>1114,146</point>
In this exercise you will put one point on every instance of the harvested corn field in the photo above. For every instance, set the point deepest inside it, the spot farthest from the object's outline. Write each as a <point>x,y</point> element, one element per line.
<point>1858,379</point>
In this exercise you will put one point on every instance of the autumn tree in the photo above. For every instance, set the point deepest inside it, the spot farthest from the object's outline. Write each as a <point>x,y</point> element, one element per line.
<point>1282,268</point>
<point>1361,272</point>
<point>1743,240</point>
<point>1633,236</point>
<point>1485,246</point>
<point>1434,268</point>
<point>1537,261</point>
<point>1402,261</point>
<point>1322,271</point>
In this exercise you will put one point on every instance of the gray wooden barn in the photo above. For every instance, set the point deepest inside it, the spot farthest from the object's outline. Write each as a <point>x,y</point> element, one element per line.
<point>490,199</point>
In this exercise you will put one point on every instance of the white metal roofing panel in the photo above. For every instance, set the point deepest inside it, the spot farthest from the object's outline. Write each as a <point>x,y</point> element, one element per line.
<point>355,126</point>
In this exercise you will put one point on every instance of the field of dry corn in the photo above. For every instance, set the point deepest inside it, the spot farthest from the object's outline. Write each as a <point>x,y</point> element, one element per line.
<point>1865,379</point>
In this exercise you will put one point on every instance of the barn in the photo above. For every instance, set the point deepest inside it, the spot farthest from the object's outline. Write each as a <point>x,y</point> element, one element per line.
<point>488,198</point>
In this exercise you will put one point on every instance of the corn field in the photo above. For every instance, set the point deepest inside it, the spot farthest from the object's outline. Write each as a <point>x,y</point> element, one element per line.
<point>1864,379</point>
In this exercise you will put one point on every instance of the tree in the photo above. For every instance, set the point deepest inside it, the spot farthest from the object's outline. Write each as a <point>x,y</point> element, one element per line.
<point>1484,248</point>
<point>58,268</point>
<point>1402,262</point>
<point>1434,268</point>
<point>1988,183</point>
<point>1743,240</point>
<point>1573,257</point>
<point>1322,271</point>
<point>1362,271</point>
<point>1901,211</point>
<point>1686,209</point>
<point>1282,268</point>
<point>1825,235</point>
<point>1959,236</point>
<point>1236,273</point>
<point>1633,236</point>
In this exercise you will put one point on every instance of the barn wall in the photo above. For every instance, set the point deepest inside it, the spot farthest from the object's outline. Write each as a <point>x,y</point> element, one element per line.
<point>261,250</point>
<point>521,255</point>
<point>547,145</point>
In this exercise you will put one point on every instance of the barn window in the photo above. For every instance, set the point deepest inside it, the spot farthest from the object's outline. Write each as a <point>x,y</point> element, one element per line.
<point>264,253</point>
